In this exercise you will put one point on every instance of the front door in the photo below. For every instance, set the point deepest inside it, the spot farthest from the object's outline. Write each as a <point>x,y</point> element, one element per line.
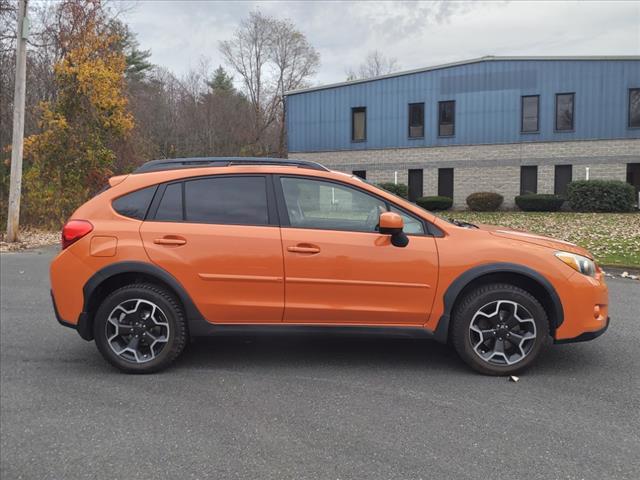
<point>222,245</point>
<point>339,269</point>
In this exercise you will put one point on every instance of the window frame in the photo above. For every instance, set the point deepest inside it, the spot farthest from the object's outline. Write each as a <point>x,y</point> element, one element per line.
<point>355,110</point>
<point>522,130</point>
<point>272,214</point>
<point>415,137</point>
<point>453,121</point>
<point>429,229</point>
<point>573,113</point>
<point>631,89</point>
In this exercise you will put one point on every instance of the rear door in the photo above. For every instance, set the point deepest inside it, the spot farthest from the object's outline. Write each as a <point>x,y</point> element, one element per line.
<point>219,237</point>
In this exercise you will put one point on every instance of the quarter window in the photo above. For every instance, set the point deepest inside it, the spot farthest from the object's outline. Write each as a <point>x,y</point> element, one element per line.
<point>359,124</point>
<point>135,204</point>
<point>634,108</point>
<point>416,120</point>
<point>530,114</point>
<point>564,111</point>
<point>238,200</point>
<point>446,118</point>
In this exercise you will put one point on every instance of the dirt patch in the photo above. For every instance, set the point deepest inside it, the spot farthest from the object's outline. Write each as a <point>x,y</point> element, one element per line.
<point>30,238</point>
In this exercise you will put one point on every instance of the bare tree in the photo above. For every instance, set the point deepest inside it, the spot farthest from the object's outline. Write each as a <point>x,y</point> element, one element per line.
<point>270,56</point>
<point>374,65</point>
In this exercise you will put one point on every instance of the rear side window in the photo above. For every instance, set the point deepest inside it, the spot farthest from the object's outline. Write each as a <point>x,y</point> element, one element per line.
<point>227,200</point>
<point>170,208</point>
<point>135,204</point>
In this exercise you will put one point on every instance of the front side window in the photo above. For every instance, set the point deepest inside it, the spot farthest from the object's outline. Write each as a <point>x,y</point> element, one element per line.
<point>135,204</point>
<point>634,107</point>
<point>530,109</point>
<point>411,224</point>
<point>564,111</point>
<point>330,206</point>
<point>240,200</point>
<point>359,124</point>
<point>446,118</point>
<point>416,120</point>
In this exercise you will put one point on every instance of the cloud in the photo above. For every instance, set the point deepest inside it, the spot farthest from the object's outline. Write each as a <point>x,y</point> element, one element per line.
<point>180,33</point>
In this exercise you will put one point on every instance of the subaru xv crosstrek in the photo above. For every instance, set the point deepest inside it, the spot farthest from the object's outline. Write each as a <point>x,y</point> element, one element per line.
<point>185,248</point>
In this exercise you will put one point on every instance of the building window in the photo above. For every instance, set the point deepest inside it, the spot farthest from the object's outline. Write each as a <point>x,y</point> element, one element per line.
<point>416,120</point>
<point>446,118</point>
<point>445,182</point>
<point>359,124</point>
<point>564,111</point>
<point>634,108</point>
<point>528,179</point>
<point>530,114</point>
<point>360,173</point>
<point>633,175</point>
<point>563,176</point>
<point>415,184</point>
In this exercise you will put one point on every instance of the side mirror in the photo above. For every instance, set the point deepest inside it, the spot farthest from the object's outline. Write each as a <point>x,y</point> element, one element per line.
<point>392,224</point>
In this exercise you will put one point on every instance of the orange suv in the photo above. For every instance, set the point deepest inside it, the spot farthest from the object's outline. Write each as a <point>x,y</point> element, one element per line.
<point>186,248</point>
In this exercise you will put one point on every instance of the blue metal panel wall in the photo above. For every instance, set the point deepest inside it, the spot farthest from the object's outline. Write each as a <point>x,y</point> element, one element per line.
<point>487,96</point>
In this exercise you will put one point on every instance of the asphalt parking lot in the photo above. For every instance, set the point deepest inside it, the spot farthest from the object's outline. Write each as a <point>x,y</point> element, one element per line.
<point>309,407</point>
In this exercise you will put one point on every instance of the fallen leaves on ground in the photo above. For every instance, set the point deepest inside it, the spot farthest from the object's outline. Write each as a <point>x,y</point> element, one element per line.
<point>30,238</point>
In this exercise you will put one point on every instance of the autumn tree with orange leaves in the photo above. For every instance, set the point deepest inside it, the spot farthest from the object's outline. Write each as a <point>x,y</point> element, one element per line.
<point>73,154</point>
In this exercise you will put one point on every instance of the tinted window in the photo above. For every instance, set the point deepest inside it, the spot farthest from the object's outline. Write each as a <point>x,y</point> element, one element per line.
<point>445,182</point>
<point>564,111</point>
<point>446,118</point>
<point>528,179</point>
<point>330,206</point>
<point>135,204</point>
<point>170,208</point>
<point>227,200</point>
<point>358,124</point>
<point>634,107</point>
<point>530,106</point>
<point>416,120</point>
<point>563,175</point>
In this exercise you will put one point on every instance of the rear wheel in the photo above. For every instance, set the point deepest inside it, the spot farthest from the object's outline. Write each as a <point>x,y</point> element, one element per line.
<point>140,328</point>
<point>499,329</point>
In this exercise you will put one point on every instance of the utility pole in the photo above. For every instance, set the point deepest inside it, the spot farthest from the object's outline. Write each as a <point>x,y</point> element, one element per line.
<point>15,185</point>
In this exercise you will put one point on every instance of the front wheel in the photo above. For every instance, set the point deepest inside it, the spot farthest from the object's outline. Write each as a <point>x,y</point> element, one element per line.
<point>499,329</point>
<point>140,328</point>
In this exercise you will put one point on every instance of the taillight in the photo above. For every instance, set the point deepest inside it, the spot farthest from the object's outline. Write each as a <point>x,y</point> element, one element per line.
<point>74,230</point>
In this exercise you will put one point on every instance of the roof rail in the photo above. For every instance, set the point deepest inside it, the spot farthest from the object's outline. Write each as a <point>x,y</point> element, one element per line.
<point>199,162</point>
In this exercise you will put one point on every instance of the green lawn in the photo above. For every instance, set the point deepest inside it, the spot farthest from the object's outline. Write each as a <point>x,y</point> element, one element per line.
<point>613,238</point>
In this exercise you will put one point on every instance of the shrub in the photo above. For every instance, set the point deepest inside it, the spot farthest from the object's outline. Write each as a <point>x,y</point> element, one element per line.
<point>600,196</point>
<point>539,202</point>
<point>435,203</point>
<point>399,189</point>
<point>484,201</point>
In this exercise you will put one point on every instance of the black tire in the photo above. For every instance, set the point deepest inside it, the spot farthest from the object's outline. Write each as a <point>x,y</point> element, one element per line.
<point>461,335</point>
<point>175,319</point>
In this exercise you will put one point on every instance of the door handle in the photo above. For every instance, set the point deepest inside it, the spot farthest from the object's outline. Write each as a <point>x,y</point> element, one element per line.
<point>304,249</point>
<point>174,241</point>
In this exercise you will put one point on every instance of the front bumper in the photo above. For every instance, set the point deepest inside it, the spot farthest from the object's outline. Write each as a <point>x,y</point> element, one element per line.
<point>586,336</point>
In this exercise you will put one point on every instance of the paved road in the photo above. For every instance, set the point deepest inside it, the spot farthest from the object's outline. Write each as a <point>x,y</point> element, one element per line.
<point>310,407</point>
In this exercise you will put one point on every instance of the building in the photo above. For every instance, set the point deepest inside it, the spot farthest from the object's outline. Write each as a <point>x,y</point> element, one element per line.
<point>504,124</point>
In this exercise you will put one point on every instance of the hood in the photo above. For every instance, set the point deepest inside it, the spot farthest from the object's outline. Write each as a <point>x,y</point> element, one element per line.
<point>541,240</point>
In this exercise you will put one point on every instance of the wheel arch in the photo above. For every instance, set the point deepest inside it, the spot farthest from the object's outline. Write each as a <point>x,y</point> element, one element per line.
<point>519,275</point>
<point>116,275</point>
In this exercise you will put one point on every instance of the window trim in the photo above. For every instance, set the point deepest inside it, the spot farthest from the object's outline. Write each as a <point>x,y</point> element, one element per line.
<point>453,122</point>
<point>409,136</point>
<point>429,229</point>
<point>272,214</point>
<point>522,130</point>
<point>353,111</point>
<point>631,89</point>
<point>573,114</point>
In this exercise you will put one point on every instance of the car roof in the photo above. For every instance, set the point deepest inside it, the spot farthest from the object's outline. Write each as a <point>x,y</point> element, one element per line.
<point>200,162</point>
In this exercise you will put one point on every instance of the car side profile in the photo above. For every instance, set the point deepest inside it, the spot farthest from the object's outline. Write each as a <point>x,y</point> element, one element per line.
<point>186,248</point>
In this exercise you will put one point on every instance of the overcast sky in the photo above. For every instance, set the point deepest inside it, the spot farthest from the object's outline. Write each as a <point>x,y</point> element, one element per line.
<point>417,34</point>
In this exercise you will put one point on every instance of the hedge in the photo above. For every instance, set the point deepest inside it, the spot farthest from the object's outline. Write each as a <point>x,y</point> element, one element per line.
<point>399,189</point>
<point>600,196</point>
<point>539,202</point>
<point>484,201</point>
<point>435,203</point>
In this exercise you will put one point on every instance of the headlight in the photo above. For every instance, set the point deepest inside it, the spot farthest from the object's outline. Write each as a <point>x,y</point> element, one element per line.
<point>579,263</point>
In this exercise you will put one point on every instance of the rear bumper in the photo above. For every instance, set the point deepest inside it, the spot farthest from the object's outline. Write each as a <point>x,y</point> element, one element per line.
<point>82,327</point>
<point>586,336</point>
